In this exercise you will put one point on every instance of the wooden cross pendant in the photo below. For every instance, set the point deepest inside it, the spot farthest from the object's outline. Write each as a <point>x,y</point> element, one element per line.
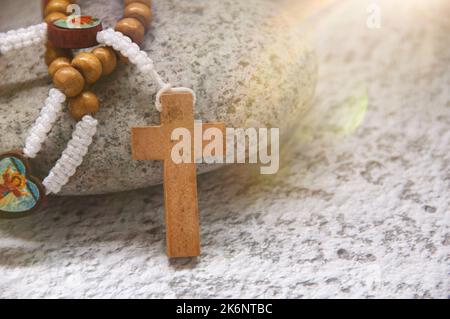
<point>180,180</point>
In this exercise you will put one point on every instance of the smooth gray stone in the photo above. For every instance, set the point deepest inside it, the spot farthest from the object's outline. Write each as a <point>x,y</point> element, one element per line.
<point>246,66</point>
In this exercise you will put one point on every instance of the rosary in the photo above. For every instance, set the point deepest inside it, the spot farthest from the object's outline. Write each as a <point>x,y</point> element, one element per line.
<point>73,77</point>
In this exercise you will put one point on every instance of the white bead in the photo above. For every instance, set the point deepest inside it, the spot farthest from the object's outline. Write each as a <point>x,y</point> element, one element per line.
<point>72,156</point>
<point>57,95</point>
<point>144,63</point>
<point>49,117</point>
<point>17,39</point>
<point>43,124</point>
<point>132,53</point>
<point>142,60</point>
<point>135,46</point>
<point>146,68</point>
<point>100,37</point>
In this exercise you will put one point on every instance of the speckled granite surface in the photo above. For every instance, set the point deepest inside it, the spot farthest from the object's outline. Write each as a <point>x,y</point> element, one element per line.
<point>360,207</point>
<point>245,69</point>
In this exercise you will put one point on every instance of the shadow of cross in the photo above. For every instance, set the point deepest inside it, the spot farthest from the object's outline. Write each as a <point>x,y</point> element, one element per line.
<point>180,180</point>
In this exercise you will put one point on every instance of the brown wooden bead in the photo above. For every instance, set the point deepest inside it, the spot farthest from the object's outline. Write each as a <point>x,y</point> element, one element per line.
<point>56,6</point>
<point>69,81</point>
<point>52,53</point>
<point>84,104</point>
<point>132,28</point>
<point>89,65</point>
<point>148,3</point>
<point>108,58</point>
<point>54,16</point>
<point>139,11</point>
<point>57,64</point>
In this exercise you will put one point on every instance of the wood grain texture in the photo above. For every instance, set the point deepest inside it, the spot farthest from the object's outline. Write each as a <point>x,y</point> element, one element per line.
<point>180,180</point>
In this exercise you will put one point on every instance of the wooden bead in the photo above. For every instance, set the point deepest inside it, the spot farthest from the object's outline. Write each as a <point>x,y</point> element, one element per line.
<point>84,104</point>
<point>57,64</point>
<point>69,81</point>
<point>89,65</point>
<point>45,2</point>
<point>132,28</point>
<point>52,53</point>
<point>108,58</point>
<point>56,6</point>
<point>139,11</point>
<point>54,16</point>
<point>148,3</point>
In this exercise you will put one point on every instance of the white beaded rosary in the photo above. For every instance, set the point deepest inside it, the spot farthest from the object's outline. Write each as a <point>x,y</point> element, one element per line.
<point>20,192</point>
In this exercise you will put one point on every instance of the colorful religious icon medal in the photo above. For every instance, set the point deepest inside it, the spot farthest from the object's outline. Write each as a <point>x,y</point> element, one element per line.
<point>74,32</point>
<point>20,192</point>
